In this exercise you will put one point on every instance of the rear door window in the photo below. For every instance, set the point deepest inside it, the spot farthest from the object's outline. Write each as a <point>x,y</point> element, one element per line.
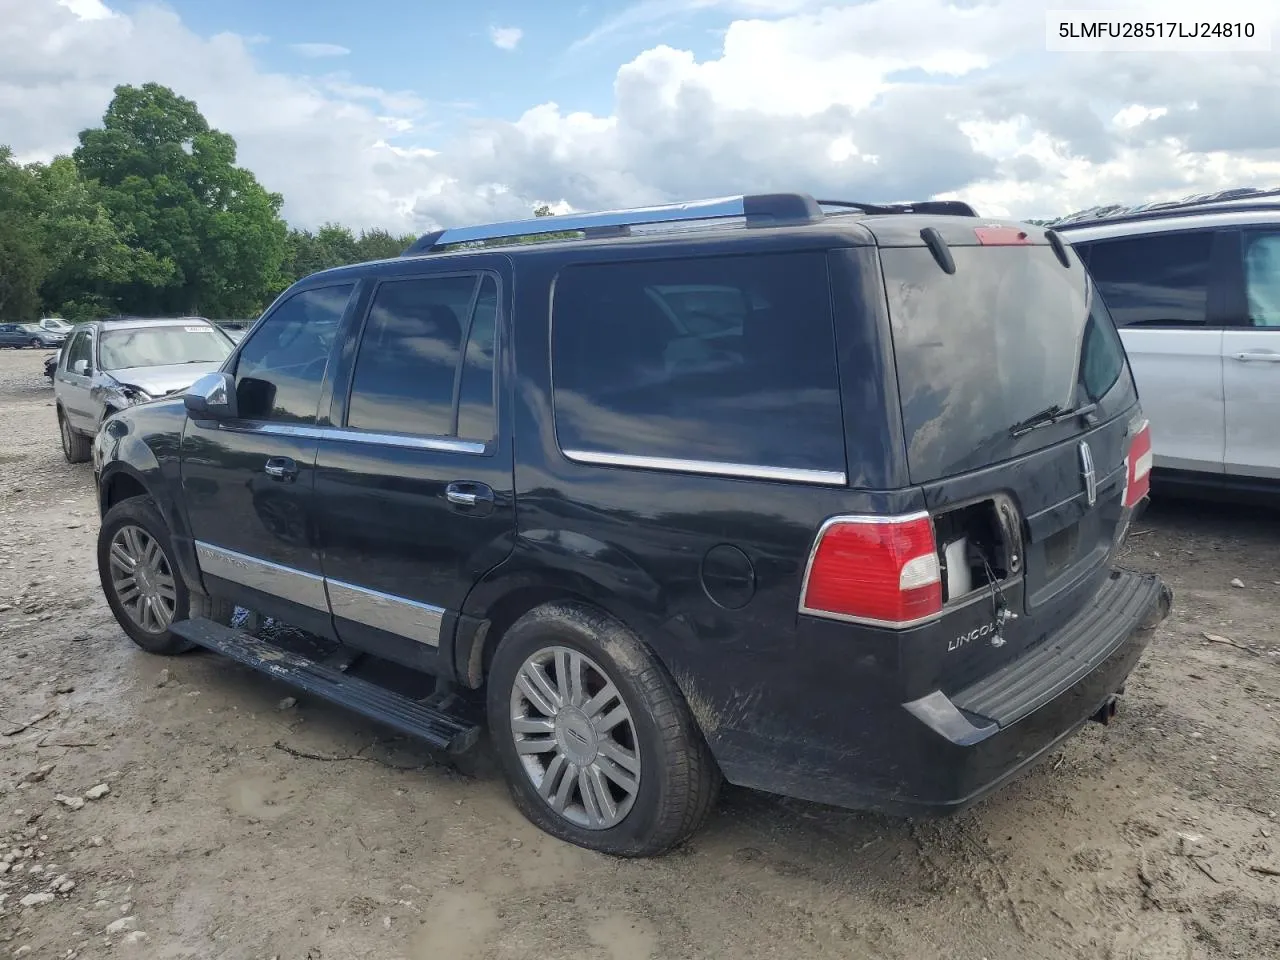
<point>712,362</point>
<point>412,375</point>
<point>1262,278</point>
<point>1009,335</point>
<point>1158,280</point>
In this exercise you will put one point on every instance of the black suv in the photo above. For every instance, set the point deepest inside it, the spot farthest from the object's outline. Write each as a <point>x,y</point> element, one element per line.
<point>819,497</point>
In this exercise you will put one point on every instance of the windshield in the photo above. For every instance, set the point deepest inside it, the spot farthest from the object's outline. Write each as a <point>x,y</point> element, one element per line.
<point>1011,334</point>
<point>58,326</point>
<point>161,346</point>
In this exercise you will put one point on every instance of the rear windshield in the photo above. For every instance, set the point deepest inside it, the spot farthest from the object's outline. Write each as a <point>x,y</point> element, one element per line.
<point>1010,334</point>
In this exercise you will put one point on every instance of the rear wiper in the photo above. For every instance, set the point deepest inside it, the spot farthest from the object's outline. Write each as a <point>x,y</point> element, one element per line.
<point>1048,416</point>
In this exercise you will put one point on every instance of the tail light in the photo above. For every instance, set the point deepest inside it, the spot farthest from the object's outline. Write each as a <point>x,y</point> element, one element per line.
<point>881,570</point>
<point>1138,466</point>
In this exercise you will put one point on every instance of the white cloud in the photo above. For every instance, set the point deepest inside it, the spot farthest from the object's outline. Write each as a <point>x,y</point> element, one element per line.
<point>87,9</point>
<point>318,50</point>
<point>506,38</point>
<point>880,100</point>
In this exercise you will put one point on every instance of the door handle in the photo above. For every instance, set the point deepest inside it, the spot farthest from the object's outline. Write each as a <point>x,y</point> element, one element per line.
<point>281,468</point>
<point>464,494</point>
<point>1265,356</point>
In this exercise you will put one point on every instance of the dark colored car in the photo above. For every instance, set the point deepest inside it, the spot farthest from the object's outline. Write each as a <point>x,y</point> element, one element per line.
<point>823,499</point>
<point>28,335</point>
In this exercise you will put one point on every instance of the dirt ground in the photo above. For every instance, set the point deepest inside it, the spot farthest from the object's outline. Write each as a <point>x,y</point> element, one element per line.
<point>1156,837</point>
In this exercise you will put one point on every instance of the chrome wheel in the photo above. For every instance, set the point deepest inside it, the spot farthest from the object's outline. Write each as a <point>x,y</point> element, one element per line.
<point>142,579</point>
<point>575,738</point>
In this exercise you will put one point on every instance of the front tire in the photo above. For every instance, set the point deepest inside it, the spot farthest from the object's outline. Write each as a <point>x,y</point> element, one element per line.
<point>594,738</point>
<point>34,343</point>
<point>76,447</point>
<point>140,578</point>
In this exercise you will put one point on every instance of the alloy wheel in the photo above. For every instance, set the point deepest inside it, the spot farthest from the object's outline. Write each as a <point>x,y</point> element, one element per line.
<point>575,737</point>
<point>143,579</point>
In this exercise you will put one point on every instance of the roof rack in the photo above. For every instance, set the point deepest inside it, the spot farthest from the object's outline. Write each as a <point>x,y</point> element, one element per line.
<point>758,210</point>
<point>946,208</point>
<point>1238,198</point>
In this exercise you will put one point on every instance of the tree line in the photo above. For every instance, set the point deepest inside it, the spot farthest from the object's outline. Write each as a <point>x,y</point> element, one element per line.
<point>150,215</point>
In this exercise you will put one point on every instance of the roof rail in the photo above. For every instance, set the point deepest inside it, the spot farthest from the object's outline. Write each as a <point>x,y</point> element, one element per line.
<point>946,208</point>
<point>1236,199</point>
<point>759,210</point>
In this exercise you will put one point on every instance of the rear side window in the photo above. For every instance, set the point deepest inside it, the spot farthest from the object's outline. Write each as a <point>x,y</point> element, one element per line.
<point>1262,278</point>
<point>713,361</point>
<point>1160,280</point>
<point>1009,335</point>
<point>411,364</point>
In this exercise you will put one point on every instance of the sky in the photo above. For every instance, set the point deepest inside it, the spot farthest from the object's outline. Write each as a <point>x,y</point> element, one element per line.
<point>415,114</point>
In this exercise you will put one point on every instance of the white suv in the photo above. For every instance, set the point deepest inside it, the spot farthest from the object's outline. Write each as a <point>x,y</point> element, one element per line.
<point>1194,287</point>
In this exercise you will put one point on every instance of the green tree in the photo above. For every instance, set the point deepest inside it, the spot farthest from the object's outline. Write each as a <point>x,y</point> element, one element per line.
<point>22,264</point>
<point>382,245</point>
<point>336,246</point>
<point>88,256</point>
<point>213,237</point>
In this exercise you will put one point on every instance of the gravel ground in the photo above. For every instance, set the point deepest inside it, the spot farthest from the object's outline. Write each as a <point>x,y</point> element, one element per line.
<point>153,808</point>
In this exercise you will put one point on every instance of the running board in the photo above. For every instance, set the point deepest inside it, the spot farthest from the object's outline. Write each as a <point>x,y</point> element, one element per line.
<point>441,730</point>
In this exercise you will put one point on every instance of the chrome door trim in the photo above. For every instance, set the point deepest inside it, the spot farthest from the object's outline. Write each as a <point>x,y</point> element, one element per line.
<point>745,471</point>
<point>420,622</point>
<point>372,608</point>
<point>275,579</point>
<point>307,432</point>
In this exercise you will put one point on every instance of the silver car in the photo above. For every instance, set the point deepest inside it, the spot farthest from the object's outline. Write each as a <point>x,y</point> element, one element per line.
<point>108,365</point>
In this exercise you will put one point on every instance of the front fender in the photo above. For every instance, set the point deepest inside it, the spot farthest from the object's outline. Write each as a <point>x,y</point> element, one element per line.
<point>140,453</point>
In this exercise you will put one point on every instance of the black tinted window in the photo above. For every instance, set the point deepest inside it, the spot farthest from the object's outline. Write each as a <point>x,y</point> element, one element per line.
<point>1008,335</point>
<point>281,368</point>
<point>1156,280</point>
<point>408,356</point>
<point>745,374</point>
<point>475,397</point>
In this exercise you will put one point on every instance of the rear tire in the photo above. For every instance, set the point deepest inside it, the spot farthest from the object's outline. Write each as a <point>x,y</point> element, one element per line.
<point>76,447</point>
<point>141,580</point>
<point>635,788</point>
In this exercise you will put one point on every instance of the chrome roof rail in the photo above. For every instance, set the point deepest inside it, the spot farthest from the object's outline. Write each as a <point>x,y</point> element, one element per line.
<point>760,210</point>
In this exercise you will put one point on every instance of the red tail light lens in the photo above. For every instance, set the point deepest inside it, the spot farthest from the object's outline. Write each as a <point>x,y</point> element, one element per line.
<point>1138,463</point>
<point>881,570</point>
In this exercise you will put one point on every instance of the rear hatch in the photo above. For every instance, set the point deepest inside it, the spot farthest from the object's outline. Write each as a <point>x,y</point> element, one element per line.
<point>1018,412</point>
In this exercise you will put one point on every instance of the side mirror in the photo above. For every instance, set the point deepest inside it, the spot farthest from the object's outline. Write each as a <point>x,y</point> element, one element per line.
<point>212,397</point>
<point>80,368</point>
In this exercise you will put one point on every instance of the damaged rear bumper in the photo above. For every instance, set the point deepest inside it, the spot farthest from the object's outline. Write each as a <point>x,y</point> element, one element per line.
<point>948,752</point>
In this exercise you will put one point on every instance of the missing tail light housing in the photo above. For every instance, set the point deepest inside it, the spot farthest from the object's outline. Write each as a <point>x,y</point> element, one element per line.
<point>1138,465</point>
<point>878,570</point>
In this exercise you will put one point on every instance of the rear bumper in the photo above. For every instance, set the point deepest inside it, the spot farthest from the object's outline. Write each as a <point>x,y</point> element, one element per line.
<point>940,754</point>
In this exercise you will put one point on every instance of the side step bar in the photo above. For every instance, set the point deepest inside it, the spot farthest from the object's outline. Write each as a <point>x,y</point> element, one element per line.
<point>441,730</point>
